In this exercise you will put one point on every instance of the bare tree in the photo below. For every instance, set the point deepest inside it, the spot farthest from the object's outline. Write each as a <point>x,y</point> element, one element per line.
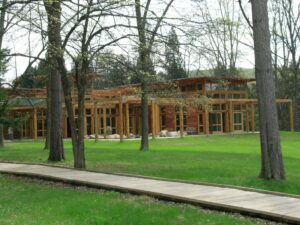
<point>219,35</point>
<point>286,57</point>
<point>86,43</point>
<point>146,37</point>
<point>55,53</point>
<point>271,163</point>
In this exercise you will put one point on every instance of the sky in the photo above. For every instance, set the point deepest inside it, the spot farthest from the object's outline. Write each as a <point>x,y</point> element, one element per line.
<point>18,40</point>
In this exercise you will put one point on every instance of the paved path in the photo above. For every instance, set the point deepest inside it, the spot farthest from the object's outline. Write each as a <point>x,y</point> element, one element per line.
<point>280,208</point>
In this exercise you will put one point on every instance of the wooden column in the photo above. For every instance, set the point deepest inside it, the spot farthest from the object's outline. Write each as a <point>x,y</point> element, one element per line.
<point>153,119</point>
<point>247,118</point>
<point>231,116</point>
<point>181,121</point>
<point>206,120</point>
<point>157,113</point>
<point>127,120</point>
<point>291,116</point>
<point>253,117</point>
<point>96,122</point>
<point>121,119</point>
<point>85,122</point>
<point>93,119</point>
<point>35,123</point>
<point>65,131</point>
<point>104,122</point>
<point>227,119</point>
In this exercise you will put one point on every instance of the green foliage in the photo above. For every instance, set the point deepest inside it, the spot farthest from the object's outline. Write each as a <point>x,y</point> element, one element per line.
<point>115,70</point>
<point>174,61</point>
<point>3,62</point>
<point>35,77</point>
<point>221,71</point>
<point>221,159</point>
<point>287,87</point>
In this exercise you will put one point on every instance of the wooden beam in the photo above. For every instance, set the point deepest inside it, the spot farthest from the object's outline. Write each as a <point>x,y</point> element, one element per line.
<point>291,116</point>
<point>253,117</point>
<point>121,119</point>
<point>35,123</point>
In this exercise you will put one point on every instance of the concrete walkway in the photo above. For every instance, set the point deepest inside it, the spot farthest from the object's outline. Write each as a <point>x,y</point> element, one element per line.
<point>265,205</point>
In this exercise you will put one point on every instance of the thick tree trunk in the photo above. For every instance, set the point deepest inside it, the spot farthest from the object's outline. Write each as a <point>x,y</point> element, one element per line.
<point>69,106</point>
<point>271,163</point>
<point>145,121</point>
<point>56,152</point>
<point>1,136</point>
<point>53,9</point>
<point>2,21</point>
<point>48,117</point>
<point>79,161</point>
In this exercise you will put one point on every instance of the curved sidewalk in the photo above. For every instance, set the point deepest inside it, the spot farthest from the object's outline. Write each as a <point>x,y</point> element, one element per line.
<point>264,205</point>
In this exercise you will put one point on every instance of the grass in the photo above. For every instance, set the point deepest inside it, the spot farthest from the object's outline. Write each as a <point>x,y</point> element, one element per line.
<point>27,202</point>
<point>233,160</point>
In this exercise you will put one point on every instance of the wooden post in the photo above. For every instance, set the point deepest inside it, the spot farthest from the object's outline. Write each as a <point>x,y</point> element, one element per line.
<point>127,120</point>
<point>96,122</point>
<point>35,123</point>
<point>181,121</point>
<point>153,118</point>
<point>231,116</point>
<point>291,116</point>
<point>65,125</point>
<point>253,117</point>
<point>206,120</point>
<point>157,115</point>
<point>247,118</point>
<point>104,121</point>
<point>121,118</point>
<point>227,118</point>
<point>85,122</point>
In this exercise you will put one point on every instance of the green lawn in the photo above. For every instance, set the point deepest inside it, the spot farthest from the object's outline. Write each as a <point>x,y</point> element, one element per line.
<point>24,202</point>
<point>233,160</point>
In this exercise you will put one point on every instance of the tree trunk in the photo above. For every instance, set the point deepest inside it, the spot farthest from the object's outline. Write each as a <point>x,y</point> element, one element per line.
<point>271,162</point>
<point>69,106</point>
<point>53,9</point>
<point>56,152</point>
<point>145,125</point>
<point>48,116</point>
<point>2,21</point>
<point>79,160</point>
<point>1,136</point>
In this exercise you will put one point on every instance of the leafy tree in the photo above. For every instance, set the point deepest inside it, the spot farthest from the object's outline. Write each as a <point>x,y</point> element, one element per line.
<point>174,61</point>
<point>115,70</point>
<point>34,77</point>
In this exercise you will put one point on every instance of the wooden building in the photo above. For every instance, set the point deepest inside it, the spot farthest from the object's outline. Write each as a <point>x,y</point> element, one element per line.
<point>228,109</point>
